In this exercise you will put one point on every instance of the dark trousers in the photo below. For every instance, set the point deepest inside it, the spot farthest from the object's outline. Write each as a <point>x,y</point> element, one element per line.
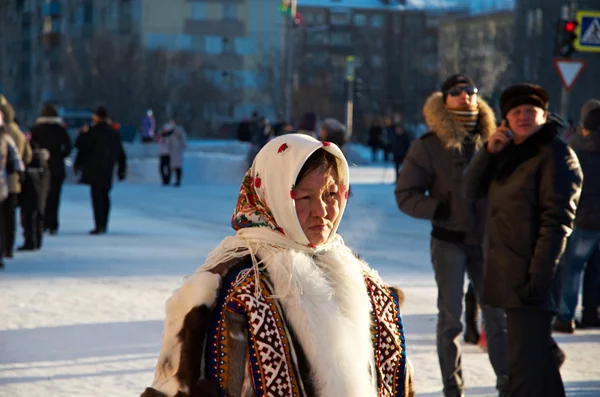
<point>165,168</point>
<point>450,262</point>
<point>9,207</point>
<point>53,204</point>
<point>100,205</point>
<point>178,173</point>
<point>533,370</point>
<point>33,227</point>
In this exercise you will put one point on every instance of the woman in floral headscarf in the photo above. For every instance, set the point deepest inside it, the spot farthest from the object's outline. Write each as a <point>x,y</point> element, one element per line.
<point>284,308</point>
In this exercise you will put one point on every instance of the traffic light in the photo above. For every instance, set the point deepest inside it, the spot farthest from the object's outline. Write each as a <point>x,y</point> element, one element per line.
<point>565,37</point>
<point>358,87</point>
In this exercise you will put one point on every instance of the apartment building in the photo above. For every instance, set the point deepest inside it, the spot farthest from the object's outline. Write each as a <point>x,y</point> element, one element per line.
<point>394,46</point>
<point>237,40</point>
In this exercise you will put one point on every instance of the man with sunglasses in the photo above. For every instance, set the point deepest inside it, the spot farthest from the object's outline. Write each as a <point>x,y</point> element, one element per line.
<point>429,187</point>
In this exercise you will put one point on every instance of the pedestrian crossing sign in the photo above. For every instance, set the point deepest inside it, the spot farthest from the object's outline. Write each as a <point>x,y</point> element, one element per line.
<point>588,31</point>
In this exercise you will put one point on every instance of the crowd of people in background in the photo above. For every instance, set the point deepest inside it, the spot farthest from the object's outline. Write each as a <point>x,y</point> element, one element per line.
<point>32,173</point>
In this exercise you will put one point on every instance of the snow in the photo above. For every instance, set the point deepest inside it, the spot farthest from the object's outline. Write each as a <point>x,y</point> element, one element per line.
<point>83,316</point>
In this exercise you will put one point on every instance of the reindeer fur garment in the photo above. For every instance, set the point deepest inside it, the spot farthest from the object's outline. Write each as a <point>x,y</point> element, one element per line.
<point>452,132</point>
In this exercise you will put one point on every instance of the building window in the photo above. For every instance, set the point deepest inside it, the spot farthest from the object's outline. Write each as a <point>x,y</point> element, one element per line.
<point>199,11</point>
<point>397,24</point>
<point>530,22</point>
<point>340,18</point>
<point>198,44</point>
<point>228,45</point>
<point>317,38</point>
<point>377,21</point>
<point>341,38</point>
<point>539,16</point>
<point>360,19</point>
<point>338,61</point>
<point>377,61</point>
<point>230,11</point>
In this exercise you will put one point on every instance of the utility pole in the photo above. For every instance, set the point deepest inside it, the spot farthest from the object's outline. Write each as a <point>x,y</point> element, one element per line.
<point>564,95</point>
<point>350,76</point>
<point>290,43</point>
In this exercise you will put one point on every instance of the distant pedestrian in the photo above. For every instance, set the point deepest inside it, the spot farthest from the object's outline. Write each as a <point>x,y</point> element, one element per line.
<point>33,198</point>
<point>177,145</point>
<point>148,126</point>
<point>376,139</point>
<point>9,205</point>
<point>99,149</point>
<point>50,134</point>
<point>164,153</point>
<point>9,163</point>
<point>308,124</point>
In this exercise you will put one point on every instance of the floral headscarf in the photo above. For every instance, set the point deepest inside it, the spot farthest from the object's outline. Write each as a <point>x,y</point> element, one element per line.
<point>267,193</point>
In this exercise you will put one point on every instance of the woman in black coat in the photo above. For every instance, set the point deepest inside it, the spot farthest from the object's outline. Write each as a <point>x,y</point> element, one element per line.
<point>533,182</point>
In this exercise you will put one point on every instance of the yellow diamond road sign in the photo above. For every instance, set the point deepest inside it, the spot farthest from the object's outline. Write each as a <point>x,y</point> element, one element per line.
<point>588,31</point>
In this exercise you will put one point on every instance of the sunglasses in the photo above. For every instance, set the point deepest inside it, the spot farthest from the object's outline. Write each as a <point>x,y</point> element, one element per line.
<point>456,91</point>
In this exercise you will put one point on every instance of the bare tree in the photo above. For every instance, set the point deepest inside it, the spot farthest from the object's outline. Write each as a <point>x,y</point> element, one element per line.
<point>121,74</point>
<point>479,51</point>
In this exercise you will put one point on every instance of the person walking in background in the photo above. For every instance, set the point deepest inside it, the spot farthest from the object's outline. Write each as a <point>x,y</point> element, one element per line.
<point>148,127</point>
<point>333,131</point>
<point>532,181</point>
<point>33,198</point>
<point>164,153</point>
<point>9,205</point>
<point>48,133</point>
<point>399,145</point>
<point>7,162</point>
<point>585,239</point>
<point>308,124</point>
<point>177,145</point>
<point>430,187</point>
<point>376,139</point>
<point>99,149</point>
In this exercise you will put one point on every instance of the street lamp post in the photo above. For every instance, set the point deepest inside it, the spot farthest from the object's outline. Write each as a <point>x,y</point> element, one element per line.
<point>290,42</point>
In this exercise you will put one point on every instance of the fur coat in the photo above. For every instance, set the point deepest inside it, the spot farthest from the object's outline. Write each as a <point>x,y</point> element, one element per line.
<point>221,339</point>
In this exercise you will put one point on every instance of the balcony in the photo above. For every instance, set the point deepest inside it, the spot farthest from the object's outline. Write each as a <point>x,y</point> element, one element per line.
<point>51,9</point>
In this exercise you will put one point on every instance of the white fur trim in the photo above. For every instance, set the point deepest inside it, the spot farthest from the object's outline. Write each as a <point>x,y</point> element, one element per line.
<point>327,304</point>
<point>200,289</point>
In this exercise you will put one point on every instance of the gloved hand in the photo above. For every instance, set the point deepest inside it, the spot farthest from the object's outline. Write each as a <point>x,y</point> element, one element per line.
<point>442,211</point>
<point>536,291</point>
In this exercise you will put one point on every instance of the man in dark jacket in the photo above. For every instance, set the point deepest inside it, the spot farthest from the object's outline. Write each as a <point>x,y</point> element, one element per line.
<point>99,149</point>
<point>49,133</point>
<point>533,182</point>
<point>459,122</point>
<point>586,237</point>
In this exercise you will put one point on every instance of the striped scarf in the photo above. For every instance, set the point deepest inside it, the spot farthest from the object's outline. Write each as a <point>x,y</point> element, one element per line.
<point>466,115</point>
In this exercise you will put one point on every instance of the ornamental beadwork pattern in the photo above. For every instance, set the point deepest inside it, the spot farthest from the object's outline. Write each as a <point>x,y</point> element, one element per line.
<point>388,340</point>
<point>269,349</point>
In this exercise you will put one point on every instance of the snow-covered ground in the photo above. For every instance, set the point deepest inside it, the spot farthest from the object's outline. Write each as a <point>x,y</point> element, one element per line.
<point>83,316</point>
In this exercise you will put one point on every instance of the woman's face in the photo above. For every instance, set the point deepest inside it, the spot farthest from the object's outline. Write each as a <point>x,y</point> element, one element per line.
<point>525,120</point>
<point>317,199</point>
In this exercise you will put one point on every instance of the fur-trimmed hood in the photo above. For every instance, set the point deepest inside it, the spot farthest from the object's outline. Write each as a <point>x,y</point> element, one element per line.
<point>451,132</point>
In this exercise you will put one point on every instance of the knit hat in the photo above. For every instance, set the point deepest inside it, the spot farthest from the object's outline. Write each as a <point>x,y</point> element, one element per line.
<point>455,80</point>
<point>592,120</point>
<point>589,105</point>
<point>101,112</point>
<point>523,94</point>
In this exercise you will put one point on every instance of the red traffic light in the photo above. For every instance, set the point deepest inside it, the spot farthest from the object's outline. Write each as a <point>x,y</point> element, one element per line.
<point>570,26</point>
